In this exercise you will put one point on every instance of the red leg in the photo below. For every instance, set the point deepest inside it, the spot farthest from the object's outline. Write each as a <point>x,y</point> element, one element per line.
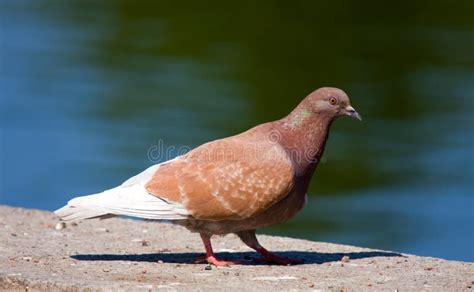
<point>249,238</point>
<point>210,256</point>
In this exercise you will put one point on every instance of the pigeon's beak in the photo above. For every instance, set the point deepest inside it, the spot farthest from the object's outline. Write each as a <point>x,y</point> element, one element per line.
<point>351,112</point>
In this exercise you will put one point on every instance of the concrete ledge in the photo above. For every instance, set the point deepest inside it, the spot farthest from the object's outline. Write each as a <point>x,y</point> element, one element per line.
<point>137,255</point>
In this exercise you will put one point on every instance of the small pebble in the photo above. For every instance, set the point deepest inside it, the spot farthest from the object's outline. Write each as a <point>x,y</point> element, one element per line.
<point>26,258</point>
<point>345,259</point>
<point>160,261</point>
<point>145,243</point>
<point>60,226</point>
<point>208,268</point>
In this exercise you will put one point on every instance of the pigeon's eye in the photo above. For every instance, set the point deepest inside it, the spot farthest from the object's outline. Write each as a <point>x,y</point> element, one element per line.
<point>333,101</point>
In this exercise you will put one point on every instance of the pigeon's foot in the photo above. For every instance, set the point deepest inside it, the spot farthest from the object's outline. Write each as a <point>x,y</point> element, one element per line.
<point>249,238</point>
<point>221,263</point>
<point>270,258</point>
<point>210,257</point>
<point>216,262</point>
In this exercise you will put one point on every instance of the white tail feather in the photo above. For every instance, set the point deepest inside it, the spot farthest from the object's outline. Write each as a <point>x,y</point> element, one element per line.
<point>129,199</point>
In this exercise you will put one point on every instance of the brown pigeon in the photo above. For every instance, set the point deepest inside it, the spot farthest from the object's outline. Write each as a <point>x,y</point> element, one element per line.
<point>234,185</point>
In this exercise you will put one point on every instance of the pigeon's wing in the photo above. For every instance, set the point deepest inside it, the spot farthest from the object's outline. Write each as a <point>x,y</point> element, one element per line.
<point>226,179</point>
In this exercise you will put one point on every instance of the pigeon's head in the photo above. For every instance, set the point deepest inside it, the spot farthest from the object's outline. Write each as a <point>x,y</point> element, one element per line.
<point>333,102</point>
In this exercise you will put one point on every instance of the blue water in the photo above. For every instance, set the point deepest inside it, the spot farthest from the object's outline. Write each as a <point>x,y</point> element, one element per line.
<point>88,90</point>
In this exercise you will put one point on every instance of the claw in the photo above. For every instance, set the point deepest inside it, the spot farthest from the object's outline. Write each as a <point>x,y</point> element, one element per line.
<point>221,263</point>
<point>216,262</point>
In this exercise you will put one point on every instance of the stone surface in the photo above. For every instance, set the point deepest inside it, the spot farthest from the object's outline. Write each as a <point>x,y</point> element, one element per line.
<point>137,255</point>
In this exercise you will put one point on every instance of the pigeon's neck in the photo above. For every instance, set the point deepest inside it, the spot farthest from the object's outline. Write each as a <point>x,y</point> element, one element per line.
<point>304,136</point>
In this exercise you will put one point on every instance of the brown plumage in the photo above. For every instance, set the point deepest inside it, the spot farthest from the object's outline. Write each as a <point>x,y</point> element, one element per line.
<point>233,185</point>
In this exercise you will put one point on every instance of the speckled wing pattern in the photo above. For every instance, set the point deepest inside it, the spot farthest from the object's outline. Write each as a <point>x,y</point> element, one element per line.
<point>225,179</point>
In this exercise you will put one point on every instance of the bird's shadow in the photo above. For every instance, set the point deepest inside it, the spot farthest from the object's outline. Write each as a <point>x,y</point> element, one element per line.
<point>247,258</point>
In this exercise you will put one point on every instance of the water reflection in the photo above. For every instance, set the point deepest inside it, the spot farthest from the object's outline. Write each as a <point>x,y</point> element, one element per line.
<point>90,86</point>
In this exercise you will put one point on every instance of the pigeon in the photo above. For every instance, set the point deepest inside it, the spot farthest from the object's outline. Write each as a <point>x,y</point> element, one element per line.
<point>237,184</point>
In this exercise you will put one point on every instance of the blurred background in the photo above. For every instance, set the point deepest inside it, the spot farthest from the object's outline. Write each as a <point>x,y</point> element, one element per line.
<point>89,87</point>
